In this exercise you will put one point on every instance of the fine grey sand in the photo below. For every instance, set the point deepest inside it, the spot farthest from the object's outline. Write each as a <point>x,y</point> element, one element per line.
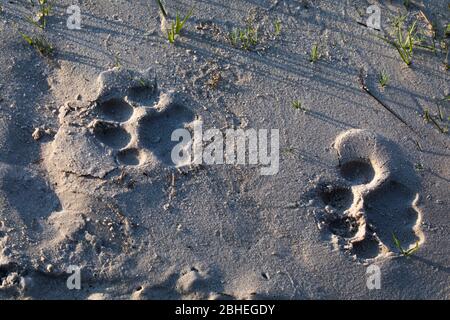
<point>87,179</point>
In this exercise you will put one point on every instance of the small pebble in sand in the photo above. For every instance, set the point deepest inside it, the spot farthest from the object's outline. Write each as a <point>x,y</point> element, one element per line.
<point>49,268</point>
<point>37,134</point>
<point>329,209</point>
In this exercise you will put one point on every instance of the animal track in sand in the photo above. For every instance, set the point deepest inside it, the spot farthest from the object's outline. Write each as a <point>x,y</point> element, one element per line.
<point>189,284</point>
<point>156,130</point>
<point>116,110</point>
<point>138,118</point>
<point>358,172</point>
<point>111,134</point>
<point>124,130</point>
<point>375,198</point>
<point>129,123</point>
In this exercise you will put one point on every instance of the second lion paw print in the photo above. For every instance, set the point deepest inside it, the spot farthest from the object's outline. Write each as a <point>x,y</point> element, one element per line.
<point>374,198</point>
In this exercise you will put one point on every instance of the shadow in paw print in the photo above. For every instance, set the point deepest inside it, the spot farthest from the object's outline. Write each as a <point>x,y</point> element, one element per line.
<point>389,211</point>
<point>357,172</point>
<point>143,95</point>
<point>130,157</point>
<point>343,226</point>
<point>338,197</point>
<point>111,134</point>
<point>115,110</point>
<point>367,248</point>
<point>156,130</point>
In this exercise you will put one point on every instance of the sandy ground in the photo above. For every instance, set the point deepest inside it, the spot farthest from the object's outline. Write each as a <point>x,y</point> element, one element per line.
<point>86,178</point>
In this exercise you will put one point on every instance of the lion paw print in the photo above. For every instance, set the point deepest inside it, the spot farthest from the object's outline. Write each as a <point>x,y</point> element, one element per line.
<point>129,123</point>
<point>373,199</point>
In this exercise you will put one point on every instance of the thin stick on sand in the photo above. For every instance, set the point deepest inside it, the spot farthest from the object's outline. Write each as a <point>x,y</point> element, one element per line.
<point>395,114</point>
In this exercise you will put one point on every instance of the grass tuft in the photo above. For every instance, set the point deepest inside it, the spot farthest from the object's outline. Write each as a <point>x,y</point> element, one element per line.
<point>171,33</point>
<point>405,253</point>
<point>256,32</point>
<point>117,63</point>
<point>383,79</point>
<point>297,104</point>
<point>40,19</point>
<point>244,38</point>
<point>40,44</point>
<point>177,26</point>
<point>314,54</point>
<point>429,118</point>
<point>403,40</point>
<point>277,27</point>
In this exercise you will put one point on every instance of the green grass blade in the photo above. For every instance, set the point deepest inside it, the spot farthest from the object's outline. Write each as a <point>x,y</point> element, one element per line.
<point>179,24</point>
<point>412,250</point>
<point>397,243</point>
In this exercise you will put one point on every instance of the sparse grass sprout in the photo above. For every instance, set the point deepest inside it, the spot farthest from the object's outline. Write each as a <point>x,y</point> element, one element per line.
<point>405,253</point>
